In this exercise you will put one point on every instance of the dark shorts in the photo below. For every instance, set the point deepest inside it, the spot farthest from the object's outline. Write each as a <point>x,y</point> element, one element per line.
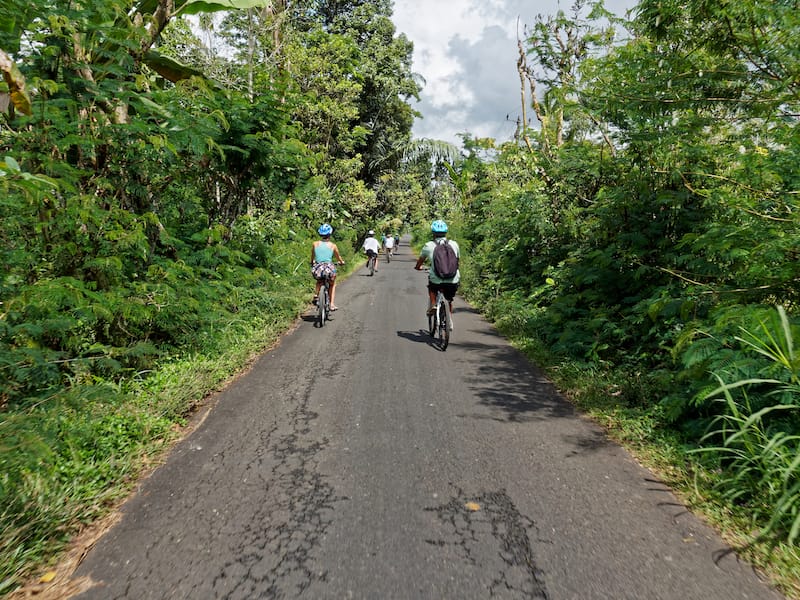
<point>448,289</point>
<point>371,253</point>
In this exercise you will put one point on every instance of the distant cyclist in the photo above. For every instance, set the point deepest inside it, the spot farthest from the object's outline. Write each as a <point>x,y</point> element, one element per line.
<point>371,247</point>
<point>435,283</point>
<point>388,244</point>
<point>323,252</point>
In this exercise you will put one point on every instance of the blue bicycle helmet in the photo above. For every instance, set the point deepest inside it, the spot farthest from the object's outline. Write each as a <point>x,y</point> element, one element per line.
<point>325,229</point>
<point>439,226</point>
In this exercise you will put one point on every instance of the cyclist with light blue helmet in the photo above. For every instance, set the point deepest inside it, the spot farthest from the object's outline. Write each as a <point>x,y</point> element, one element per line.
<point>323,251</point>
<point>435,283</point>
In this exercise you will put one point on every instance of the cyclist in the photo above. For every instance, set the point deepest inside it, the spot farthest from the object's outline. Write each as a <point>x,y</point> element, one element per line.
<point>323,252</point>
<point>371,247</point>
<point>388,244</point>
<point>447,286</point>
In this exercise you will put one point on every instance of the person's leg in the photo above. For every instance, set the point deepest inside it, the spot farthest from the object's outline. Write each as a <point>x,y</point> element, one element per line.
<point>431,299</point>
<point>450,295</point>
<point>450,290</point>
<point>333,293</point>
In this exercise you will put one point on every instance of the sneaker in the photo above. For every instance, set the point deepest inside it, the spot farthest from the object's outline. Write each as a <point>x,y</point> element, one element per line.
<point>315,300</point>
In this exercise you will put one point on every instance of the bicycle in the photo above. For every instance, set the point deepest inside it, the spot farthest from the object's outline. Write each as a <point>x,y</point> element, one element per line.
<point>371,264</point>
<point>324,302</point>
<point>389,253</point>
<point>439,321</point>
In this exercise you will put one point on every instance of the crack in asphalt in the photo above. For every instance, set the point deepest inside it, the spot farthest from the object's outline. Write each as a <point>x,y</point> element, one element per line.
<point>276,548</point>
<point>492,518</point>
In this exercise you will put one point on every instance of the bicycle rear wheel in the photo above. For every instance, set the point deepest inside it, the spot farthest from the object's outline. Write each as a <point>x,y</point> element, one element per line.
<point>322,306</point>
<point>444,325</point>
<point>371,266</point>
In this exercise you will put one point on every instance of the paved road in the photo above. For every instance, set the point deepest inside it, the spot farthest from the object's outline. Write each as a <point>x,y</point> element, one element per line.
<point>358,461</point>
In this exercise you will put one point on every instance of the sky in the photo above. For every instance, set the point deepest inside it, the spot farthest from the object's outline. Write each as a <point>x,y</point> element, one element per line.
<point>466,52</point>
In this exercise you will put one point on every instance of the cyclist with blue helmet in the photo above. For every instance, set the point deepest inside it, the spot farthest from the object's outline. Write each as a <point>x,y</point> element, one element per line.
<point>435,283</point>
<point>323,251</point>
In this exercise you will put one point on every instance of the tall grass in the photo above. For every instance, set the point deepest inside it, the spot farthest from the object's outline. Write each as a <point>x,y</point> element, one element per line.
<point>754,440</point>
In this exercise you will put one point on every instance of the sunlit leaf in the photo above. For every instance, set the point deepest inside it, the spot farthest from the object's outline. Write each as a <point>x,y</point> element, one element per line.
<point>47,577</point>
<point>473,506</point>
<point>16,84</point>
<point>193,7</point>
<point>11,164</point>
<point>169,69</point>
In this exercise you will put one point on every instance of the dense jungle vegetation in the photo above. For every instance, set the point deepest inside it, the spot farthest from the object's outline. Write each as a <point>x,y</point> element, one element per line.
<point>164,164</point>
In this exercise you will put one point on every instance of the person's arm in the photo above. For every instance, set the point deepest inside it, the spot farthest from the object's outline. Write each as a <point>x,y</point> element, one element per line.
<point>421,259</point>
<point>313,256</point>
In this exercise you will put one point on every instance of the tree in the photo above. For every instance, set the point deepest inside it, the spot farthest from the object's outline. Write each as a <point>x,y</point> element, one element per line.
<point>559,45</point>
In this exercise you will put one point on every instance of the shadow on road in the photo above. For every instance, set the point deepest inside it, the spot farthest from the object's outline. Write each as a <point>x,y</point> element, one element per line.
<point>421,337</point>
<point>506,382</point>
<point>312,318</point>
<point>591,442</point>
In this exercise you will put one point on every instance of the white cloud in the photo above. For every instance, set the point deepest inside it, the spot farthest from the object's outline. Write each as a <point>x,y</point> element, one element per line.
<point>466,50</point>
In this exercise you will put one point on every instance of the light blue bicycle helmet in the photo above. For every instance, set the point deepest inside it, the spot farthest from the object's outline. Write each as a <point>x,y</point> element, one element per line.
<point>439,226</point>
<point>325,229</point>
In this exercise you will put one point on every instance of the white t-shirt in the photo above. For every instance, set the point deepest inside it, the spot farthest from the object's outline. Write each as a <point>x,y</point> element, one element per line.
<point>389,242</point>
<point>371,244</point>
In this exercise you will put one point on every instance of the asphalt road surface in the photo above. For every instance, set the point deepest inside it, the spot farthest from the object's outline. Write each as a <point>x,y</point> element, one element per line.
<point>359,461</point>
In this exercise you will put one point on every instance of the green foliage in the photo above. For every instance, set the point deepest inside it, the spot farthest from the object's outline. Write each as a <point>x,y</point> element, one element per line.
<point>157,218</point>
<point>651,217</point>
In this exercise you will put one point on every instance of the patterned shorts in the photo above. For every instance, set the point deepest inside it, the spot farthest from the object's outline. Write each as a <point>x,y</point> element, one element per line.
<point>323,270</point>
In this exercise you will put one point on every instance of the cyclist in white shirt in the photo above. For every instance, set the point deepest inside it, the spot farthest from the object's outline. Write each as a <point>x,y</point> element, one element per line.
<point>371,246</point>
<point>388,244</point>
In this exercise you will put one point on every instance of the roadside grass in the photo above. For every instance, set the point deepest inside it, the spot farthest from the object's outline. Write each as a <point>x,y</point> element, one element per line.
<point>66,462</point>
<point>605,395</point>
